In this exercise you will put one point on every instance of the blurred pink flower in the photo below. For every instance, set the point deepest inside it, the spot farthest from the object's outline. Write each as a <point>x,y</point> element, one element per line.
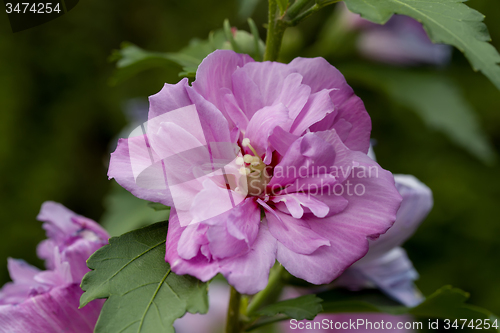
<point>47,301</point>
<point>402,40</point>
<point>386,265</point>
<point>261,162</point>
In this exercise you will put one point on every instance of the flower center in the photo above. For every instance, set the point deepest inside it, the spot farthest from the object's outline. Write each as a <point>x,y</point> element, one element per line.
<point>255,170</point>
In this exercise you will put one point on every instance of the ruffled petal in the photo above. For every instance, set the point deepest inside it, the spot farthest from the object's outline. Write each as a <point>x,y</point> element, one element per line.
<point>249,273</point>
<point>262,125</point>
<point>319,75</point>
<point>133,158</point>
<point>171,97</point>
<point>56,311</point>
<point>318,106</point>
<point>199,266</point>
<point>294,233</point>
<point>269,77</point>
<point>296,202</point>
<point>215,73</point>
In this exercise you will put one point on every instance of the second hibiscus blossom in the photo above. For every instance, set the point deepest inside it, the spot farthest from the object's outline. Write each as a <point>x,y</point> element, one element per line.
<point>260,161</point>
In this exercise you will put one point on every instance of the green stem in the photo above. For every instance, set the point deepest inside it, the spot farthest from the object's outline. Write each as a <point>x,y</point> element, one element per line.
<point>296,8</point>
<point>273,287</point>
<point>296,19</point>
<point>233,324</point>
<point>305,14</point>
<point>275,30</point>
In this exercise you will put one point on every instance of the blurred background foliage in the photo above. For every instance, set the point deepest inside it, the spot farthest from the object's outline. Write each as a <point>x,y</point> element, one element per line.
<point>62,107</point>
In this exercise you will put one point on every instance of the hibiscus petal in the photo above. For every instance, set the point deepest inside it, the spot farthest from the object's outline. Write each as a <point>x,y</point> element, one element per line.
<point>170,97</point>
<point>249,273</point>
<point>20,271</point>
<point>416,204</point>
<point>263,123</point>
<point>234,112</point>
<point>192,238</point>
<point>269,78</point>
<point>294,233</point>
<point>246,93</point>
<point>200,266</point>
<point>281,140</point>
<point>56,311</point>
<point>131,159</point>
<point>215,72</point>
<point>319,75</point>
<point>394,274</point>
<point>223,244</point>
<point>318,106</point>
<point>214,124</point>
<point>294,95</point>
<point>244,220</point>
<point>295,201</point>
<point>307,161</point>
<point>57,220</point>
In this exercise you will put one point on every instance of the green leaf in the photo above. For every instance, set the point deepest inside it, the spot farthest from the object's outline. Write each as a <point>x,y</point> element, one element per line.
<point>446,21</point>
<point>303,307</point>
<point>131,59</point>
<point>144,296</point>
<point>445,303</point>
<point>124,212</point>
<point>283,6</point>
<point>435,98</point>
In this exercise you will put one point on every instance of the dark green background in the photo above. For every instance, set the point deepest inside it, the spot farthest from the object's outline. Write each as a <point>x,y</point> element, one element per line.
<point>58,114</point>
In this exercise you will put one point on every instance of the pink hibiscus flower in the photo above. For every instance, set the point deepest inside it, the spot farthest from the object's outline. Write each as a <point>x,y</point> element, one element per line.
<point>47,301</point>
<point>261,162</point>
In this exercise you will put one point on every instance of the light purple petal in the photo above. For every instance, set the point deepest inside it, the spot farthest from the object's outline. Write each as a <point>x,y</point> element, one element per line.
<point>214,124</point>
<point>77,254</point>
<point>296,202</point>
<point>394,274</point>
<point>20,271</point>
<point>294,233</point>
<point>306,160</point>
<point>269,78</point>
<point>23,285</point>
<point>58,220</point>
<point>234,113</point>
<point>263,123</point>
<point>132,154</point>
<point>243,221</point>
<point>223,244</point>
<point>402,40</point>
<point>170,97</point>
<point>215,72</point>
<point>317,107</point>
<point>417,203</point>
<point>281,140</point>
<point>56,311</point>
<point>192,238</point>
<point>294,94</point>
<point>246,94</point>
<point>199,266</point>
<point>366,216</point>
<point>319,75</point>
<point>249,273</point>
